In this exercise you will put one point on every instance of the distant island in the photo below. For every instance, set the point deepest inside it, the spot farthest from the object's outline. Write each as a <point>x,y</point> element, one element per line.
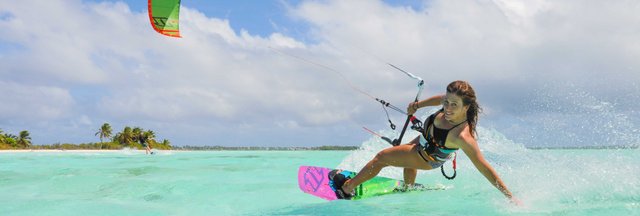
<point>134,138</point>
<point>129,137</point>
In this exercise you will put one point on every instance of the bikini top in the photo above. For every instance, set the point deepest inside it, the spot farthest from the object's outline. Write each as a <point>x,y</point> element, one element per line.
<point>435,145</point>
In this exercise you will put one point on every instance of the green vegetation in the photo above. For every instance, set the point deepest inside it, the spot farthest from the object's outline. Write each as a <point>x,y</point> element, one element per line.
<point>128,138</point>
<point>10,141</point>
<point>136,138</point>
<point>104,132</point>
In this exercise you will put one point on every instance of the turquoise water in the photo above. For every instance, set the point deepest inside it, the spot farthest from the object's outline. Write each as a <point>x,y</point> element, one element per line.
<point>549,182</point>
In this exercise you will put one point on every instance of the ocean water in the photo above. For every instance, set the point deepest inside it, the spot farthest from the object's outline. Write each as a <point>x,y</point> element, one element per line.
<point>549,182</point>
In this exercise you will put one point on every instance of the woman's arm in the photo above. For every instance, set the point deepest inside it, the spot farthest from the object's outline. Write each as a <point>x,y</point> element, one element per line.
<point>470,148</point>
<point>432,101</point>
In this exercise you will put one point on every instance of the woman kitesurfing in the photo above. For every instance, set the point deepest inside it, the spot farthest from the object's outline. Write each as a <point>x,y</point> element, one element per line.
<point>451,128</point>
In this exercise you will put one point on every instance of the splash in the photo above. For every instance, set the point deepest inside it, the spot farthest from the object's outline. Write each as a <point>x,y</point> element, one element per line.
<point>369,148</point>
<point>568,116</point>
<point>491,142</point>
<point>548,181</point>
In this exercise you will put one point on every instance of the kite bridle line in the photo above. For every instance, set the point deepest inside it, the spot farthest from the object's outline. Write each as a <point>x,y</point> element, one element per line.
<point>416,123</point>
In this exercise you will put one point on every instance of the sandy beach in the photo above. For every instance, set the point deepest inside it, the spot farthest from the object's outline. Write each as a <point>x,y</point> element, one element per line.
<point>62,150</point>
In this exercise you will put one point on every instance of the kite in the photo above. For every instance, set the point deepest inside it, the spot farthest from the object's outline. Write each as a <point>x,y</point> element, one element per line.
<point>164,16</point>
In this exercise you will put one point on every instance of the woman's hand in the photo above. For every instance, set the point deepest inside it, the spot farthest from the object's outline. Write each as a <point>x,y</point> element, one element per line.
<point>412,108</point>
<point>515,201</point>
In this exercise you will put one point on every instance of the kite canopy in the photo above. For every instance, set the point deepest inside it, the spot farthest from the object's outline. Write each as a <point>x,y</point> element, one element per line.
<point>164,16</point>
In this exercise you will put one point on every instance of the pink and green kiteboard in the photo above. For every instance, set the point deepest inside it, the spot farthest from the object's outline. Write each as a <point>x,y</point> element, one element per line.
<point>323,182</point>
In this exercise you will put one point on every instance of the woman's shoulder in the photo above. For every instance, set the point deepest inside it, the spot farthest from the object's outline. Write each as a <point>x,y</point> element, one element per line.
<point>462,135</point>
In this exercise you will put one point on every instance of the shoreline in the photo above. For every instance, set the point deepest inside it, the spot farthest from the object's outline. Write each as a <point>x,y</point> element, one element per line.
<point>141,151</point>
<point>63,150</point>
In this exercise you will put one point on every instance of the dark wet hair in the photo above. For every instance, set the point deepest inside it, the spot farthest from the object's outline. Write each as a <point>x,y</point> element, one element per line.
<point>468,95</point>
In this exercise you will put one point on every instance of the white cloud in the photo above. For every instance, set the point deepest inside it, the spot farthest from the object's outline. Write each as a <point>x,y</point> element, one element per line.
<point>215,74</point>
<point>168,104</point>
<point>33,104</point>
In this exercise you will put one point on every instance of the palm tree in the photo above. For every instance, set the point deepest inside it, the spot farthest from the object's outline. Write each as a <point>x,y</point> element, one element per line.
<point>137,134</point>
<point>166,143</point>
<point>24,140</point>
<point>125,137</point>
<point>11,140</point>
<point>117,138</point>
<point>104,132</point>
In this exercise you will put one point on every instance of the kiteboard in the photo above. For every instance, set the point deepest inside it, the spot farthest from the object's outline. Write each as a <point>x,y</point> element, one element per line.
<point>326,183</point>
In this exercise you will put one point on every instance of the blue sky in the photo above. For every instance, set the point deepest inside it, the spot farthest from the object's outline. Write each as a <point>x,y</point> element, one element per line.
<point>260,17</point>
<point>255,16</point>
<point>546,74</point>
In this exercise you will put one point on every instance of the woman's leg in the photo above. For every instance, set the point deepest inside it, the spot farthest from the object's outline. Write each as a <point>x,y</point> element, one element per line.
<point>410,176</point>
<point>399,156</point>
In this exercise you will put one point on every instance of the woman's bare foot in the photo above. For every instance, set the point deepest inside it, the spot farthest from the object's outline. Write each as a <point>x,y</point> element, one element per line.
<point>347,187</point>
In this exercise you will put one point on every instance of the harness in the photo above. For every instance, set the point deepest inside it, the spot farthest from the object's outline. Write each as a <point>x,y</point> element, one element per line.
<point>436,149</point>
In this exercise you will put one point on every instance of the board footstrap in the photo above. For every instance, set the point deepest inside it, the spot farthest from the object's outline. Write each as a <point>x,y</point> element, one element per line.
<point>337,178</point>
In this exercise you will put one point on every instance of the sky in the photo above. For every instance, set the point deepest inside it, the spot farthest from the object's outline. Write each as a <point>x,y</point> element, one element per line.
<point>280,73</point>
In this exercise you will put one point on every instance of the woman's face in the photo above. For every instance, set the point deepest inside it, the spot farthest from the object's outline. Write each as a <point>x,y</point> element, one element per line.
<point>454,110</point>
